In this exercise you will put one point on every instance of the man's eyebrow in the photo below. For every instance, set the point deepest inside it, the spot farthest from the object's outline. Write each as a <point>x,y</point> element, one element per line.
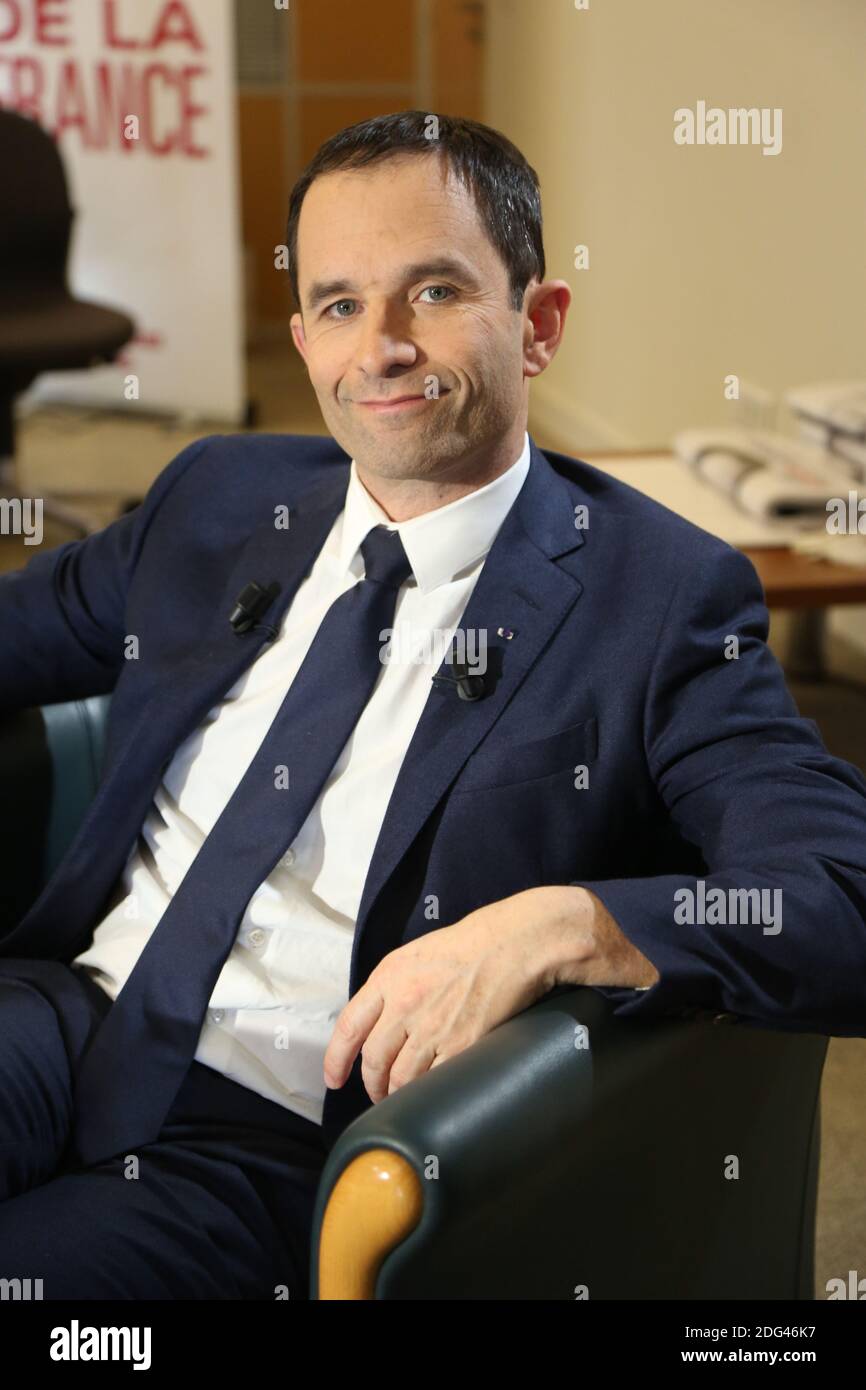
<point>448,267</point>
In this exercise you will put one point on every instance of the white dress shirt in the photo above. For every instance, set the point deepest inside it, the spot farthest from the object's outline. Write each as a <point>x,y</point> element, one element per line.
<point>282,987</point>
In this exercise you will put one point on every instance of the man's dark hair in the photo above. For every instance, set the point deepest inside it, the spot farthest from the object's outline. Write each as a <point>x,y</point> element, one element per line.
<point>503,184</point>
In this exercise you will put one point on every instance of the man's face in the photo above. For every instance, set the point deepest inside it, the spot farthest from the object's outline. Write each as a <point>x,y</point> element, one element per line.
<point>381,318</point>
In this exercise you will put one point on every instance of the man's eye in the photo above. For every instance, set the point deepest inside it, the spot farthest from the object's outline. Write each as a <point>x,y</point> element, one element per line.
<point>328,313</point>
<point>335,305</point>
<point>446,288</point>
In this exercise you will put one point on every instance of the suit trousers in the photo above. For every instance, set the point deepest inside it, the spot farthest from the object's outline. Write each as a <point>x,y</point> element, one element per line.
<point>219,1206</point>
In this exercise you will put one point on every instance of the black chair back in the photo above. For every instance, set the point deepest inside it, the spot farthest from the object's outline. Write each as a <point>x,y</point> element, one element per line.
<point>35,211</point>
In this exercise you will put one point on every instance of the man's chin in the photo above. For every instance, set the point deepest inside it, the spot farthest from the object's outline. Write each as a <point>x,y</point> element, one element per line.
<point>398,455</point>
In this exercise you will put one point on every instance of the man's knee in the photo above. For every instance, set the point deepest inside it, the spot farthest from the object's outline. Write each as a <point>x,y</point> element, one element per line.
<point>35,1088</point>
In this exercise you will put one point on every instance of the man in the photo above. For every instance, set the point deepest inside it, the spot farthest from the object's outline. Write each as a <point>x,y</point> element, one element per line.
<point>404,735</point>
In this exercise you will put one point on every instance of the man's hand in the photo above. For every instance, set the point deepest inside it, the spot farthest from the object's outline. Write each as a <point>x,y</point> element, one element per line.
<point>430,999</point>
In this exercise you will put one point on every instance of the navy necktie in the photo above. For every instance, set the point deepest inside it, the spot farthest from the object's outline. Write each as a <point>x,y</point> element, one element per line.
<point>142,1050</point>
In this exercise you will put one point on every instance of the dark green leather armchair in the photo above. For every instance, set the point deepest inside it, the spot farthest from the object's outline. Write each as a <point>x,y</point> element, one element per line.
<point>567,1155</point>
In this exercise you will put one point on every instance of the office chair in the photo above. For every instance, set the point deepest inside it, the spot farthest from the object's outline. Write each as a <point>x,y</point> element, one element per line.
<point>43,327</point>
<point>566,1155</point>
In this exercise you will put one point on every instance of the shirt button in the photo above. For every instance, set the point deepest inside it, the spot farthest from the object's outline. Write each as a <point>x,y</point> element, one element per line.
<point>256,936</point>
<point>288,859</point>
<point>217,1015</point>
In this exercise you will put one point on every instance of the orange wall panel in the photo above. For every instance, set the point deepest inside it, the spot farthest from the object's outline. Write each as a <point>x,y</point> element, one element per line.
<point>457,41</point>
<point>261,121</point>
<point>350,41</point>
<point>322,117</point>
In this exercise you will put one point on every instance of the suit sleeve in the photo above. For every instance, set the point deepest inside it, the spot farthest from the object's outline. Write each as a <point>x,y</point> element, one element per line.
<point>749,782</point>
<point>62,616</point>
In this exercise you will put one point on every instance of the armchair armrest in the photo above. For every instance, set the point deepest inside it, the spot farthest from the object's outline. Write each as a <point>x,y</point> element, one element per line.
<point>26,782</point>
<point>75,734</point>
<point>572,1154</point>
<point>50,764</point>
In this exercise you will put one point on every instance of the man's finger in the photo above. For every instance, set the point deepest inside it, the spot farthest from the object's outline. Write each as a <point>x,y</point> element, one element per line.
<point>350,1031</point>
<point>378,1055</point>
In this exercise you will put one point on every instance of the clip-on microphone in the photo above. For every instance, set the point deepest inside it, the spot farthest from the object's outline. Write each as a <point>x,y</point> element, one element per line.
<point>251,603</point>
<point>469,687</point>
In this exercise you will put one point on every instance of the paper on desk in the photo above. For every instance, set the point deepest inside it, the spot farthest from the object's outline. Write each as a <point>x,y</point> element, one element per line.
<point>842,549</point>
<point>664,478</point>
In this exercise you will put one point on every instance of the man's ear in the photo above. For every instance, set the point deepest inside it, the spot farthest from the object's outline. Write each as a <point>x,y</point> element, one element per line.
<point>296,323</point>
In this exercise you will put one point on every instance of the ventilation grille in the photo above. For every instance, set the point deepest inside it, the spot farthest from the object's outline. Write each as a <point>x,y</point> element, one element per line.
<point>261,43</point>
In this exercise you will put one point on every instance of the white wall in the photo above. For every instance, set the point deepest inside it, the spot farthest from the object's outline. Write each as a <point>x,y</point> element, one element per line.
<point>704,260</point>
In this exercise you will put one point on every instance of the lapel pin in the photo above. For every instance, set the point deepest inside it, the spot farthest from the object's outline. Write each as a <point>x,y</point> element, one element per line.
<point>506,632</point>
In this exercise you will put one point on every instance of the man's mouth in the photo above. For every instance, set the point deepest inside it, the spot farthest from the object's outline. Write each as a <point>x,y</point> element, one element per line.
<point>397,403</point>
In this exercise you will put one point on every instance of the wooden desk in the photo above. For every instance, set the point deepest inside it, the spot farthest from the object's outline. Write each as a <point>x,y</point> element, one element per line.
<point>792,580</point>
<point>809,586</point>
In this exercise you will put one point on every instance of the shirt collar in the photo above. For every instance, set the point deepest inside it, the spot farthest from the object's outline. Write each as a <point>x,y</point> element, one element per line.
<point>441,543</point>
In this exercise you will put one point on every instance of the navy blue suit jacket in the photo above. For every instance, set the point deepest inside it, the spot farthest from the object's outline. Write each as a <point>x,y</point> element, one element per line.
<point>699,767</point>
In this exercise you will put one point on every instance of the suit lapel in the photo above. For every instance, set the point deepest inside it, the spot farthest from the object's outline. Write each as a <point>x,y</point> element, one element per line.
<point>219,659</point>
<point>174,710</point>
<point>520,588</point>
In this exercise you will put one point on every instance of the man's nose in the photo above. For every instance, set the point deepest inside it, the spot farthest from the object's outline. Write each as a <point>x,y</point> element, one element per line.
<point>385,340</point>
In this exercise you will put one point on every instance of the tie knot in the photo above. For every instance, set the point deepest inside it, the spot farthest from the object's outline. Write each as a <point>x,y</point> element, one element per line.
<point>385,560</point>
